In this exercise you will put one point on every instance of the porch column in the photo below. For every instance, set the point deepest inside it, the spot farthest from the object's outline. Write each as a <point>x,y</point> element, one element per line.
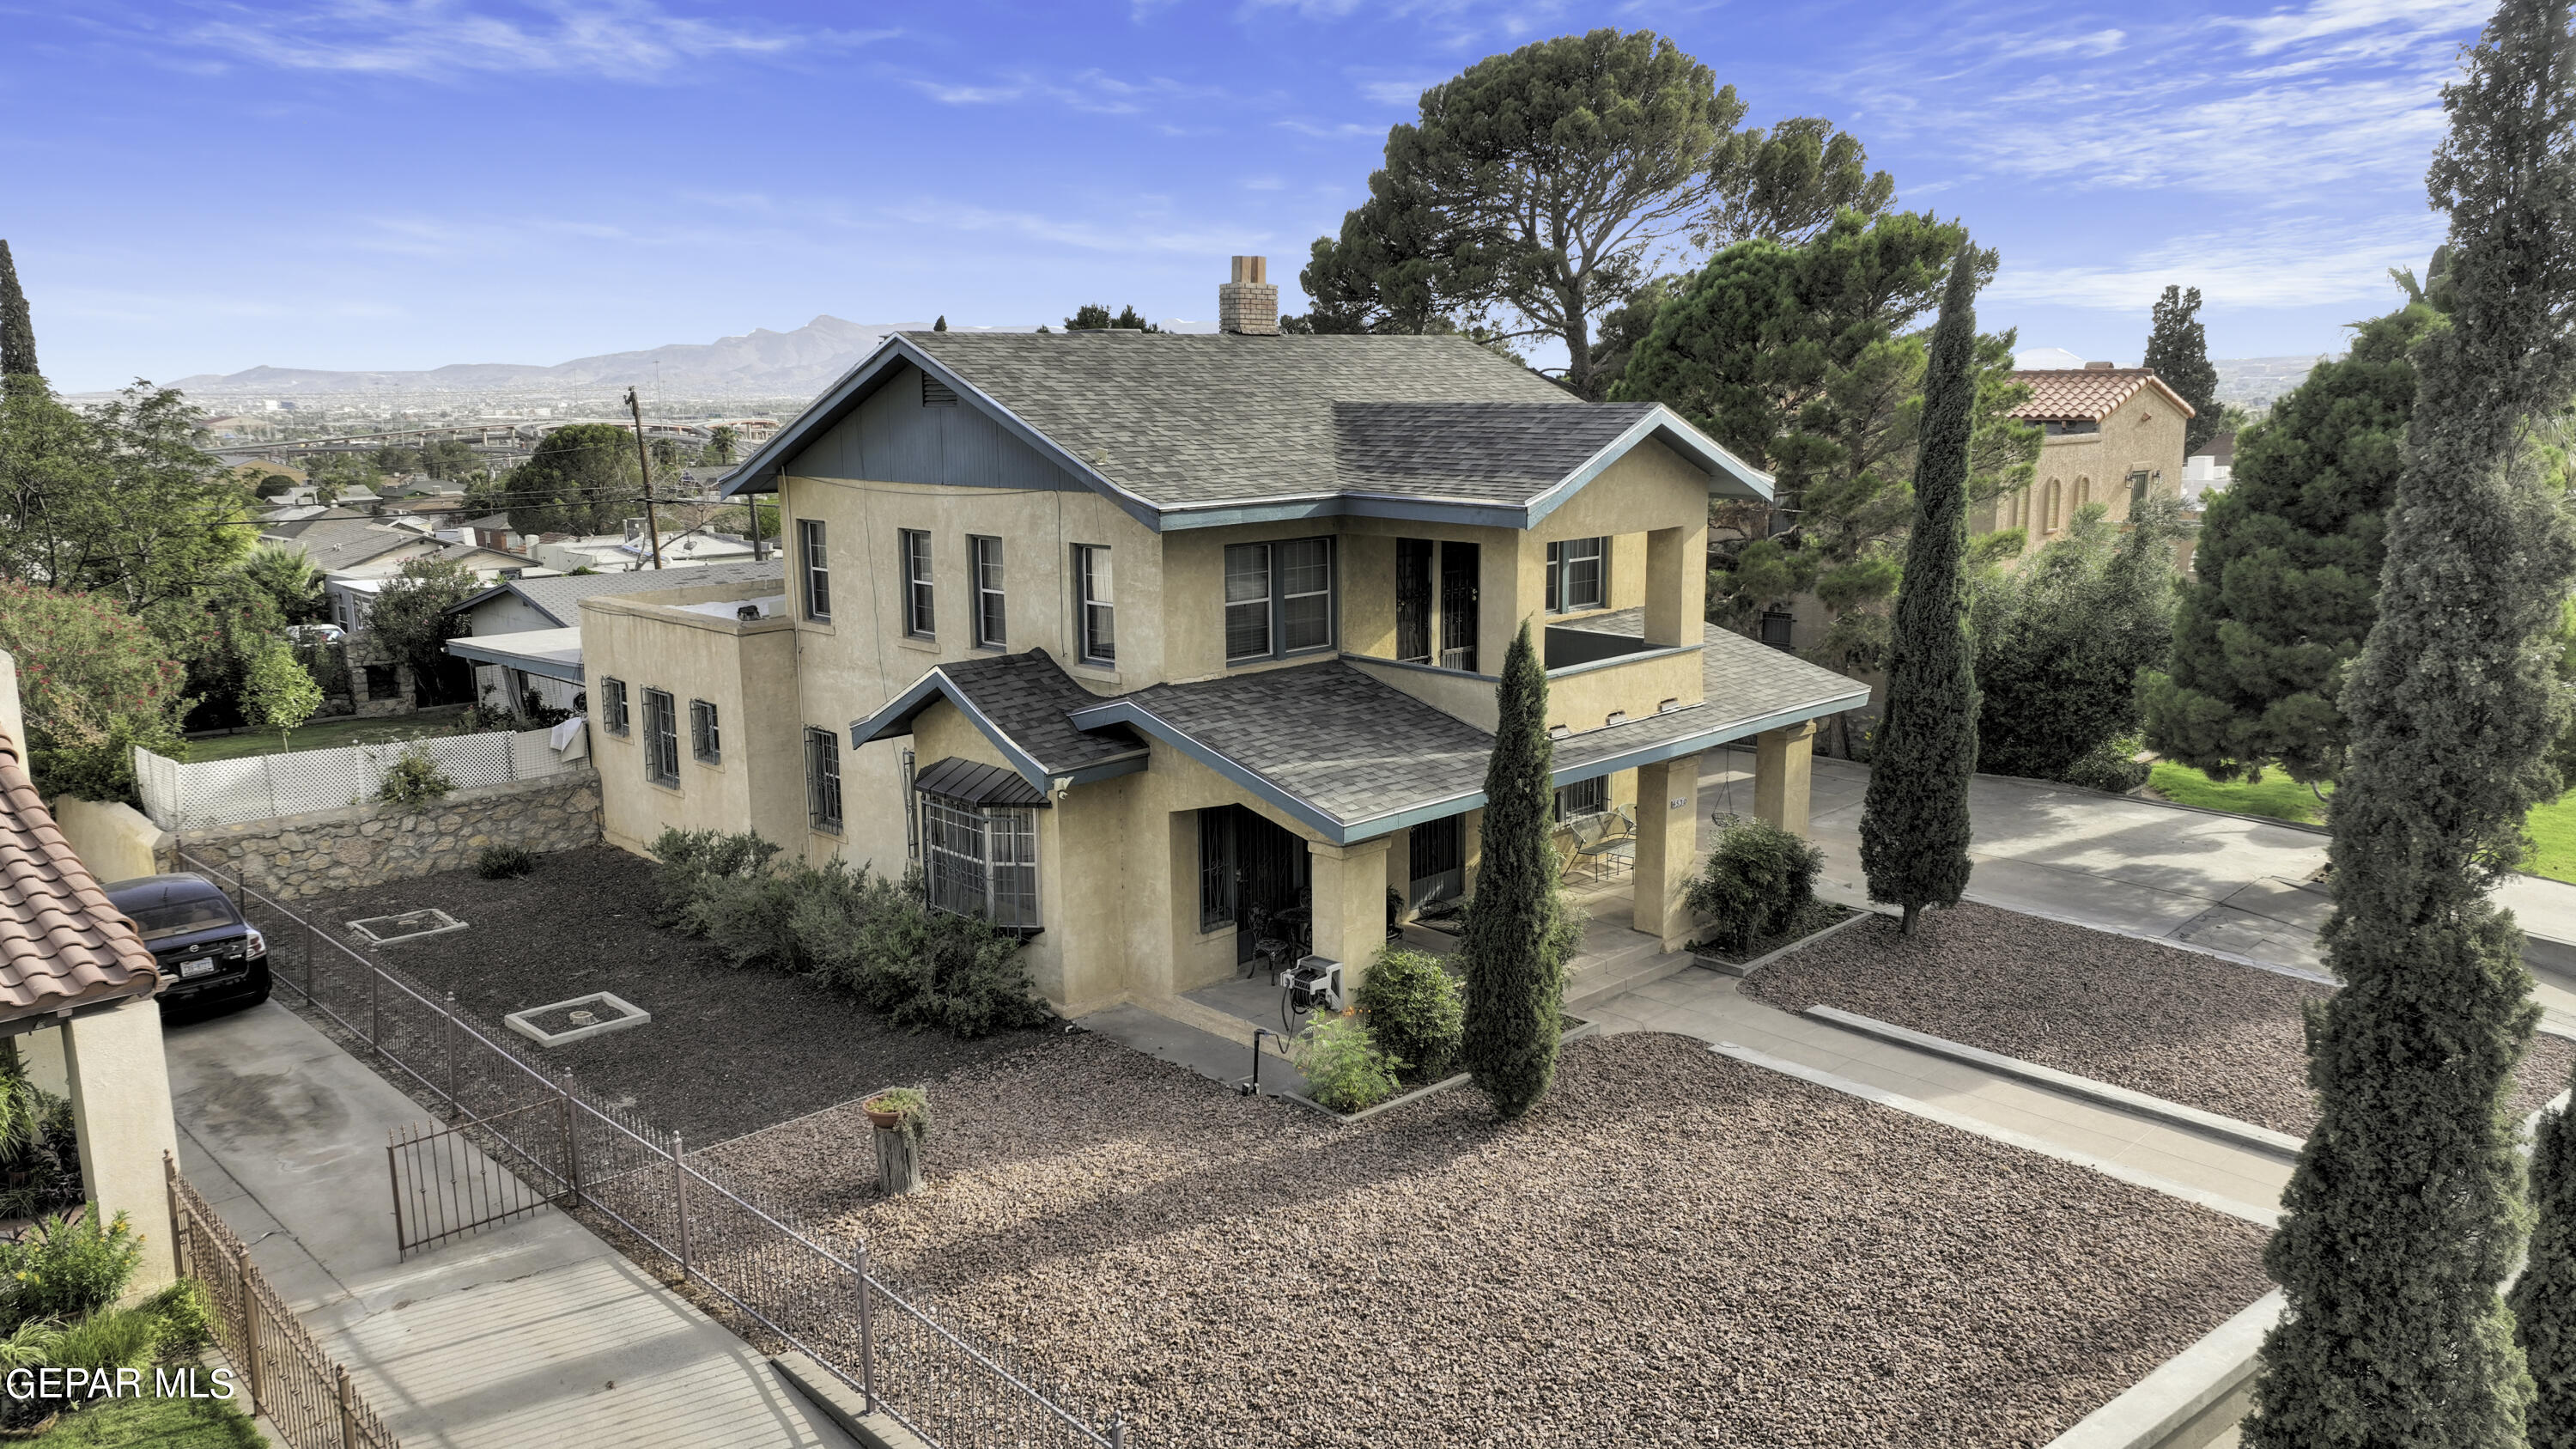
<point>1782,760</point>
<point>120,1090</point>
<point>1350,903</point>
<point>1667,847</point>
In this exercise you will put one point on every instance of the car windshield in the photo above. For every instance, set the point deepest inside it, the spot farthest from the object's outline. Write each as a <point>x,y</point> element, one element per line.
<point>178,915</point>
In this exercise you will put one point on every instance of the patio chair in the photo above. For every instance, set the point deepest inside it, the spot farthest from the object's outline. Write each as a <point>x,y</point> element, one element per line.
<point>1591,836</point>
<point>1563,841</point>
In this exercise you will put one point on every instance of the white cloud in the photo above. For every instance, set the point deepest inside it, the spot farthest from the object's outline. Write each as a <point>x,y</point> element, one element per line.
<point>629,40</point>
<point>1132,234</point>
<point>1094,91</point>
<point>2282,265</point>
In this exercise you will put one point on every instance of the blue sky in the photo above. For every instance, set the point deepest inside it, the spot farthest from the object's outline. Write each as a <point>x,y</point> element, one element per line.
<point>195,187</point>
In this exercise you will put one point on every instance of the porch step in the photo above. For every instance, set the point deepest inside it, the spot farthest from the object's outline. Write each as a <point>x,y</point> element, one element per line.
<point>1206,1018</point>
<point>1622,973</point>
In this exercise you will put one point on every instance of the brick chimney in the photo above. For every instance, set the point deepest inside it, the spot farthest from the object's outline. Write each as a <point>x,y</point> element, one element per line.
<point>2099,366</point>
<point>1249,304</point>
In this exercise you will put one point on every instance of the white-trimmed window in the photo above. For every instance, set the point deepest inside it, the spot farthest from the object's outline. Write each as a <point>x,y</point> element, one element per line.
<point>1278,599</point>
<point>814,565</point>
<point>661,738</point>
<point>1578,574</point>
<point>823,780</point>
<point>706,744</point>
<point>1095,604</point>
<point>980,862</point>
<point>612,706</point>
<point>919,619</point>
<point>992,621</point>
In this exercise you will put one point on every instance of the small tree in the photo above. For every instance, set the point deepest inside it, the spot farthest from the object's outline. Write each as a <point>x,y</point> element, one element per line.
<point>17,333</point>
<point>1514,958</point>
<point>1914,822</point>
<point>278,693</point>
<point>94,683</point>
<point>409,619</point>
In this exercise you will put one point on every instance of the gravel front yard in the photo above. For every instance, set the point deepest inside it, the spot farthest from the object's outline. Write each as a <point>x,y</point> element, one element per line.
<point>727,1052</point>
<point>2168,1022</point>
<point>1674,1248</point>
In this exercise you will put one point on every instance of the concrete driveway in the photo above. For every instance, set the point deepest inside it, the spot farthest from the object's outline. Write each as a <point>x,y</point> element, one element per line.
<point>534,1333</point>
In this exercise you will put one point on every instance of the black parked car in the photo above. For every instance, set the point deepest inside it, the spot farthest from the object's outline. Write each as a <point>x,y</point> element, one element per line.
<point>210,958</point>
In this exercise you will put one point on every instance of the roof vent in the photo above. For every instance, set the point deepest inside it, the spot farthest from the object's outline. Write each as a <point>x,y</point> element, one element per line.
<point>2099,366</point>
<point>937,394</point>
<point>1249,304</point>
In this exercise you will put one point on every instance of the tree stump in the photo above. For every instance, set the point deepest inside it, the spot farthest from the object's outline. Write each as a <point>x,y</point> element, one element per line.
<point>898,1161</point>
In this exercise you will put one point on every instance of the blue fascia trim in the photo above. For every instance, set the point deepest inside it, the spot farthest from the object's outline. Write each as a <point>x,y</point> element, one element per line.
<point>1108,769</point>
<point>1136,716</point>
<point>1717,735</point>
<point>568,673</point>
<point>897,716</point>
<point>1658,651</point>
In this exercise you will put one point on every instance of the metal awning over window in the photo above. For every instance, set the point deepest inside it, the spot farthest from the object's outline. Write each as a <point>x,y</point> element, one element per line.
<point>985,787</point>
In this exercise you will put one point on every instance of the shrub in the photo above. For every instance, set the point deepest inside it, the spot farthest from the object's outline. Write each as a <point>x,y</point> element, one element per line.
<point>689,858</point>
<point>962,974</point>
<point>752,918</point>
<point>1415,1010</point>
<point>67,1267</point>
<point>2109,767</point>
<point>187,1314</point>
<point>414,780</point>
<point>39,1152</point>
<point>1757,881</point>
<point>500,862</point>
<point>911,1105</point>
<point>1344,1066</point>
<point>116,1339</point>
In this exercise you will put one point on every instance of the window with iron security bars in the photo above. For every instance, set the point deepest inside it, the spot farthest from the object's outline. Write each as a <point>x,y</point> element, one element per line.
<point>823,780</point>
<point>980,862</point>
<point>704,741</point>
<point>661,737</point>
<point>612,706</point>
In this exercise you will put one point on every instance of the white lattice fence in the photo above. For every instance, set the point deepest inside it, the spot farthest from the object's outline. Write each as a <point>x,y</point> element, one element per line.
<point>181,794</point>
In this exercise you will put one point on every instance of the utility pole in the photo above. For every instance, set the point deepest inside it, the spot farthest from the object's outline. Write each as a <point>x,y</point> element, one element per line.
<point>652,525</point>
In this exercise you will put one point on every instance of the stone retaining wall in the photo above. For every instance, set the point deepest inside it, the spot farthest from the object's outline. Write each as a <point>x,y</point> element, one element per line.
<point>358,845</point>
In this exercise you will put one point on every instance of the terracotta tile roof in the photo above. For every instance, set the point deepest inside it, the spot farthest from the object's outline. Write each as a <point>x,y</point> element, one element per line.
<point>61,944</point>
<point>2089,393</point>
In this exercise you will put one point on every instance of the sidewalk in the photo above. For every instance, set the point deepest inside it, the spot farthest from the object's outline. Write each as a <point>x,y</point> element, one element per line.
<point>534,1333</point>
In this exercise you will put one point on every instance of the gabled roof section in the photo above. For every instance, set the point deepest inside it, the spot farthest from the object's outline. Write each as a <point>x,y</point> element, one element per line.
<point>2087,394</point>
<point>1023,704</point>
<point>1196,430</point>
<point>559,597</point>
<point>62,945</point>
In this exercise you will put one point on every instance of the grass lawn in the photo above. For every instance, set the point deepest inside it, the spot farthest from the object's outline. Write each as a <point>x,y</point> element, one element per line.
<point>2552,827</point>
<point>331,734</point>
<point>153,1424</point>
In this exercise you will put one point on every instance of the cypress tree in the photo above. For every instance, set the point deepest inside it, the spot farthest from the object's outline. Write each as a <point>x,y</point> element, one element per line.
<point>1513,941</point>
<point>17,330</point>
<point>2406,1209</point>
<point>2288,570</point>
<point>2178,351</point>
<point>1914,821</point>
<point>2544,1297</point>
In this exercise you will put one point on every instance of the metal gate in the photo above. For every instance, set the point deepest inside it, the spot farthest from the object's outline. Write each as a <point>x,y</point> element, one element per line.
<point>446,1186</point>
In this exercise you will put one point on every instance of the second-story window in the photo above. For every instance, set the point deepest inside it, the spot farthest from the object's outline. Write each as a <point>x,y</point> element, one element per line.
<point>816,566</point>
<point>1577,574</point>
<point>1278,598</point>
<point>704,742</point>
<point>991,622</point>
<point>661,738</point>
<point>612,706</point>
<point>1095,605</point>
<point>919,620</point>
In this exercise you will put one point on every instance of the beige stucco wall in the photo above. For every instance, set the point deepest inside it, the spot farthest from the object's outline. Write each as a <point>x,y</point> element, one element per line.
<point>2143,434</point>
<point>746,670</point>
<point>115,840</point>
<point>120,1091</point>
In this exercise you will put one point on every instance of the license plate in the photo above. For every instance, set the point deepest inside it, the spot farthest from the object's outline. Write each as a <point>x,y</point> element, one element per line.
<point>202,966</point>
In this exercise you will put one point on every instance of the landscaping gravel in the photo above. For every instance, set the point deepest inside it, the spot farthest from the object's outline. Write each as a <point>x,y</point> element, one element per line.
<point>2171,1023</point>
<point>1673,1248</point>
<point>728,1051</point>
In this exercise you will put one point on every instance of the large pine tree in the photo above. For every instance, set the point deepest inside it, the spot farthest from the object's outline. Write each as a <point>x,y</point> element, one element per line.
<point>17,330</point>
<point>2178,351</point>
<point>2288,570</point>
<point>1515,966</point>
<point>2406,1209</point>
<point>1914,823</point>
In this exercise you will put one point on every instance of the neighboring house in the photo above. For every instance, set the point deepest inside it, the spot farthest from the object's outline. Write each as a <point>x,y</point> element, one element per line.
<point>523,635</point>
<point>1142,642</point>
<point>76,989</point>
<point>2113,436</point>
<point>2210,470</point>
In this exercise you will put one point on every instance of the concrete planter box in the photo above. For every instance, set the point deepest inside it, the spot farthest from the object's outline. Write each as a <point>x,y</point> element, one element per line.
<point>525,1022</point>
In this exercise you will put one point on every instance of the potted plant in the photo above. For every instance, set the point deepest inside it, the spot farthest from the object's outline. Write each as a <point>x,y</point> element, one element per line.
<point>902,1119</point>
<point>905,1108</point>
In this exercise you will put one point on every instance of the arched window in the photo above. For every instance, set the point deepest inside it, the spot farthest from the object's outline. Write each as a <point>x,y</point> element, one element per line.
<point>2054,516</point>
<point>2083,493</point>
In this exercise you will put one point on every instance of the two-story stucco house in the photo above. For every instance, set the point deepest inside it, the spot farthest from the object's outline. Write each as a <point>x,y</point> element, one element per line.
<point>1128,639</point>
<point>2113,436</point>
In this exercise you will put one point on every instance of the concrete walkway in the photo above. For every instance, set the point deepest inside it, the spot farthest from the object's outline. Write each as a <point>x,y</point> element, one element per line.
<point>535,1333</point>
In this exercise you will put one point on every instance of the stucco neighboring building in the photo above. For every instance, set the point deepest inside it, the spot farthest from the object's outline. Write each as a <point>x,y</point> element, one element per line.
<point>1137,641</point>
<point>2114,436</point>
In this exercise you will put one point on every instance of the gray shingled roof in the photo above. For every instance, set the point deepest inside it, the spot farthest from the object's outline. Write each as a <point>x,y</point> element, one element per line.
<point>1027,697</point>
<point>1178,419</point>
<point>1499,452</point>
<point>559,598</point>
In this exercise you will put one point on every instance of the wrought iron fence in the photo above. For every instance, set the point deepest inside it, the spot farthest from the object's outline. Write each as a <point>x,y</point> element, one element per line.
<point>307,1397</point>
<point>790,1282</point>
